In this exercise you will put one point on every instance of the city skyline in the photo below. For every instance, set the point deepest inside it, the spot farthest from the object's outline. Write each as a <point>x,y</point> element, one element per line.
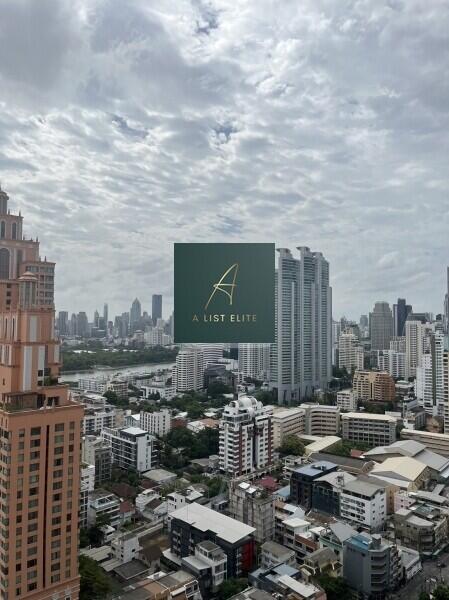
<point>303,126</point>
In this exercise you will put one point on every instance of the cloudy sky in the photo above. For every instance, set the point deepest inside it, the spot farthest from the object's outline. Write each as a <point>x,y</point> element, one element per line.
<point>126,125</point>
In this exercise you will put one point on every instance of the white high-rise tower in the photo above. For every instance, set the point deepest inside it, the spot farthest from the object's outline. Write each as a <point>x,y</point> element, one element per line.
<point>301,357</point>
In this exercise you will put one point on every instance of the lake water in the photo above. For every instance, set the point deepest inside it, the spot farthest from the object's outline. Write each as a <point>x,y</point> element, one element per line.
<point>121,371</point>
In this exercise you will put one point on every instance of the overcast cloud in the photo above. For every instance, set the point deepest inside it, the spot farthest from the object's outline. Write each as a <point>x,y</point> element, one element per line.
<point>127,125</point>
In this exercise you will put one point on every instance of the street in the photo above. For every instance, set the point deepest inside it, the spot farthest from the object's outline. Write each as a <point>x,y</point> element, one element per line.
<point>433,573</point>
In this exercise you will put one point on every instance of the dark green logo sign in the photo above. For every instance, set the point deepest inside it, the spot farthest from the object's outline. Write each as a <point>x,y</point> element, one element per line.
<point>224,293</point>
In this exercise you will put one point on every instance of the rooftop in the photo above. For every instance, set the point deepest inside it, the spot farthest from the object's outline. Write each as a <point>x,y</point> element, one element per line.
<point>205,519</point>
<point>368,416</point>
<point>362,487</point>
<point>400,467</point>
<point>316,468</point>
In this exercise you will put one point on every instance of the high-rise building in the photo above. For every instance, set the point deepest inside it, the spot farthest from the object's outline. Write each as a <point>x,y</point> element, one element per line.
<point>135,313</point>
<point>381,326</point>
<point>429,388</point>
<point>82,324</point>
<point>401,310</point>
<point>212,353</point>
<point>105,314</point>
<point>156,307</point>
<point>446,305</point>
<point>246,436</point>
<point>415,334</point>
<point>188,372</point>
<point>350,353</point>
<point>254,360</point>
<point>96,321</point>
<point>72,326</point>
<point>63,322</point>
<point>301,357</point>
<point>40,428</point>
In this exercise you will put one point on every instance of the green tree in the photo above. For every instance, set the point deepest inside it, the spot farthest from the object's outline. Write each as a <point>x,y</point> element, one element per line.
<point>336,588</point>
<point>291,444</point>
<point>94,583</point>
<point>265,397</point>
<point>231,587</point>
<point>84,537</point>
<point>441,592</point>
<point>218,388</point>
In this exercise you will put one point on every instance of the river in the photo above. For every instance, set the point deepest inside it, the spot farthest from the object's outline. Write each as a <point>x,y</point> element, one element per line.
<point>130,370</point>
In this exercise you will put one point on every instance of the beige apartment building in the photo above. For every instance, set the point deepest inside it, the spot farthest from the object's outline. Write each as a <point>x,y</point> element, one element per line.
<point>321,419</point>
<point>40,430</point>
<point>373,386</point>
<point>368,428</point>
<point>290,421</point>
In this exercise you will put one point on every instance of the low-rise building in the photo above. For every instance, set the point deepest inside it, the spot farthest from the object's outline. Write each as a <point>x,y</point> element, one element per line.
<point>422,527</point>
<point>326,491</point>
<point>103,504</point>
<point>404,472</point>
<point>368,428</point>
<point>97,418</point>
<point>289,421</point>
<point>437,442</point>
<point>133,448</point>
<point>321,419</point>
<point>301,482</point>
<point>334,536</point>
<point>87,485</point>
<point>157,423</point>
<point>272,554</point>
<point>346,400</point>
<point>209,565</point>
<point>176,500</point>
<point>364,503</point>
<point>284,582</point>
<point>254,506</point>
<point>98,452</point>
<point>195,523</point>
<point>371,566</point>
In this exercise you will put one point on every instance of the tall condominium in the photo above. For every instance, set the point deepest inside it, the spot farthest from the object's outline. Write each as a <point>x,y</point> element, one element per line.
<point>63,322</point>
<point>156,307</point>
<point>415,334</point>
<point>40,429</point>
<point>254,360</point>
<point>429,387</point>
<point>301,357</point>
<point>381,326</point>
<point>401,310</point>
<point>135,313</point>
<point>446,305</point>
<point>188,372</point>
<point>350,353</point>
<point>105,315</point>
<point>246,436</point>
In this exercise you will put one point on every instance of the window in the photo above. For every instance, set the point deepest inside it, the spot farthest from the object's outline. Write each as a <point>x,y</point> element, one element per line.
<point>14,231</point>
<point>59,427</point>
<point>35,431</point>
<point>3,233</point>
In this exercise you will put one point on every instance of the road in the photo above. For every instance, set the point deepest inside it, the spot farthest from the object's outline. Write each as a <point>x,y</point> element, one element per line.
<point>433,573</point>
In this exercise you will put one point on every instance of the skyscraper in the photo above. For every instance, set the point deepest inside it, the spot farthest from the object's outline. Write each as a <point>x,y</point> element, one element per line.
<point>381,326</point>
<point>63,322</point>
<point>105,315</point>
<point>156,307</point>
<point>135,313</point>
<point>401,310</point>
<point>446,305</point>
<point>40,428</point>
<point>300,358</point>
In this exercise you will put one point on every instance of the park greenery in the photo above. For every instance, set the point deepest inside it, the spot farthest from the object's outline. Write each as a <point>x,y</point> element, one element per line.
<point>80,361</point>
<point>181,445</point>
